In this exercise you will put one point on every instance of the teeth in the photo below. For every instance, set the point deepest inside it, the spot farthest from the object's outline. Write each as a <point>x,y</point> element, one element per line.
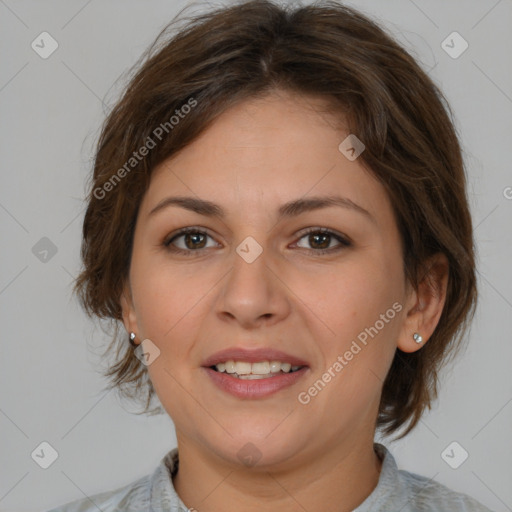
<point>253,377</point>
<point>255,370</point>
<point>275,366</point>
<point>258,368</point>
<point>229,366</point>
<point>286,367</point>
<point>243,368</point>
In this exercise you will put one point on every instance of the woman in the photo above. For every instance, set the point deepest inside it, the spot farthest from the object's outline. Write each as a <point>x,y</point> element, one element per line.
<point>278,217</point>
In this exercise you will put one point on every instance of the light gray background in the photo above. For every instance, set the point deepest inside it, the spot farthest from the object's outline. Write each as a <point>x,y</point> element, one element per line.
<point>50,113</point>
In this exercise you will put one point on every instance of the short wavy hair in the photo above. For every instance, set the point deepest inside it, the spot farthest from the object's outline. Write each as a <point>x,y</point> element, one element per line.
<point>217,59</point>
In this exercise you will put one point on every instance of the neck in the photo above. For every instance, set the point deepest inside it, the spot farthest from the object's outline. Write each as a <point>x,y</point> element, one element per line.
<point>339,479</point>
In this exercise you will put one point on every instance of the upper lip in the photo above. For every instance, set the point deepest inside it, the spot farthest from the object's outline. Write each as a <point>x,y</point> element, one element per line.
<point>252,356</point>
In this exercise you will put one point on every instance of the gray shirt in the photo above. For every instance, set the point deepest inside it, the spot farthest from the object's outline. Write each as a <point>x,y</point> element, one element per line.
<point>397,490</point>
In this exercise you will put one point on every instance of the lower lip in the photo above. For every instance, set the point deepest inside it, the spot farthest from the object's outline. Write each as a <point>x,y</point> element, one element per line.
<point>256,388</point>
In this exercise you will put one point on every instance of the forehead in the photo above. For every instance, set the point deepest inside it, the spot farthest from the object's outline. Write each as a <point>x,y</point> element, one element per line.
<point>264,152</point>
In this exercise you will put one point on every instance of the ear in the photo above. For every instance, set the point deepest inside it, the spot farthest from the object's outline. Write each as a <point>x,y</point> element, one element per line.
<point>424,306</point>
<point>128,310</point>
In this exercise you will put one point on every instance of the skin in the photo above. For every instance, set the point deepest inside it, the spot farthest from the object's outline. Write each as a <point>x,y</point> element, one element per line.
<point>257,156</point>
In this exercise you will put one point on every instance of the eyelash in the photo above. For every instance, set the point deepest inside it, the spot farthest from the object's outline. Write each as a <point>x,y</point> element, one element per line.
<point>343,241</point>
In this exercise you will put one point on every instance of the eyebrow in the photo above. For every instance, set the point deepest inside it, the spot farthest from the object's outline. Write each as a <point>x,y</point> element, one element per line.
<point>287,210</point>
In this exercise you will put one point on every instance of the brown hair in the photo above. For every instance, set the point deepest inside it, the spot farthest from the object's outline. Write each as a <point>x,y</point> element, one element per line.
<point>230,54</point>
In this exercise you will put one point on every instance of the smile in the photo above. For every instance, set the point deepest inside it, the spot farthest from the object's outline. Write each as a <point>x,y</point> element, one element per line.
<point>253,385</point>
<point>258,370</point>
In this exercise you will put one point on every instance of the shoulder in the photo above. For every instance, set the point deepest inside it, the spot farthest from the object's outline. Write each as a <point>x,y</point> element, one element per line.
<point>427,495</point>
<point>150,492</point>
<point>409,492</point>
<point>133,497</point>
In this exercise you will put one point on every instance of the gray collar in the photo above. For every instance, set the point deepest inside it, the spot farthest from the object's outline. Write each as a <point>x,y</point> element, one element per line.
<point>163,496</point>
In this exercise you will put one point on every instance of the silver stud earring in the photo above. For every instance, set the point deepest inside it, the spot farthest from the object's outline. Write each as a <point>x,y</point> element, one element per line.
<point>417,338</point>
<point>131,339</point>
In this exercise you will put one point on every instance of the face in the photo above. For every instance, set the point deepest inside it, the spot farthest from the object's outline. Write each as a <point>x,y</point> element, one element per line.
<point>323,284</point>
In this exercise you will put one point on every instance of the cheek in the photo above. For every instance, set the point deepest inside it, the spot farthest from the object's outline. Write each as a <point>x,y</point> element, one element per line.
<point>361,305</point>
<point>352,296</point>
<point>168,297</point>
<point>171,311</point>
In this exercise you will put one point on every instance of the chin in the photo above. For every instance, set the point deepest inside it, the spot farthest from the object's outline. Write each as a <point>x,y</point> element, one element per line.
<point>258,451</point>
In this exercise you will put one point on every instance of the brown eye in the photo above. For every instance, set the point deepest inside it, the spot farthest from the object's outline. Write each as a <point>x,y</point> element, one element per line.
<point>191,240</point>
<point>320,241</point>
<point>194,240</point>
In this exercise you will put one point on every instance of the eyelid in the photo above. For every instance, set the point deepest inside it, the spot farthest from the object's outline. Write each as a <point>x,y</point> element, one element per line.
<point>343,240</point>
<point>328,231</point>
<point>184,231</point>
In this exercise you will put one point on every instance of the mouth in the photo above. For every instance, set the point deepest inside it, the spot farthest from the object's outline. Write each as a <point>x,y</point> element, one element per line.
<point>246,370</point>
<point>254,373</point>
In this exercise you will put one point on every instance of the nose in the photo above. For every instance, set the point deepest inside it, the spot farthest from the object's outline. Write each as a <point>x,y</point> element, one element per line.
<point>253,294</point>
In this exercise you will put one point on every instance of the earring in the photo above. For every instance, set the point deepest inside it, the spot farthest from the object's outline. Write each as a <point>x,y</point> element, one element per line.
<point>417,338</point>
<point>131,339</point>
